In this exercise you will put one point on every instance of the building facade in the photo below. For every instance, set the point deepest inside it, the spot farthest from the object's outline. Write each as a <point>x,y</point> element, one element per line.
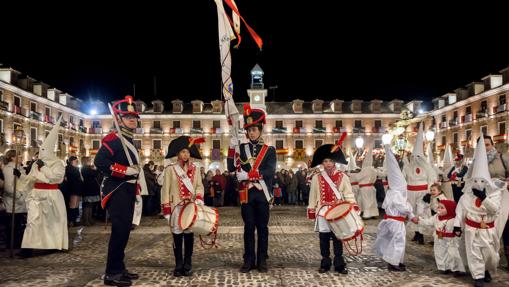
<point>295,128</point>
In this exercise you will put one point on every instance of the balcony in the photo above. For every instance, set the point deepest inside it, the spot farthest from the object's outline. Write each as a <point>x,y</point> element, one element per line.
<point>35,116</point>
<point>299,130</point>
<point>95,131</point>
<point>378,130</point>
<point>17,110</point>
<point>359,129</point>
<point>49,119</point>
<point>279,130</point>
<point>453,122</point>
<point>320,130</point>
<point>467,118</point>
<point>63,124</point>
<point>501,108</point>
<point>500,138</point>
<point>176,131</point>
<point>196,130</point>
<point>282,151</point>
<point>482,114</point>
<point>216,130</point>
<point>82,129</point>
<point>156,130</point>
<point>337,130</point>
<point>4,106</point>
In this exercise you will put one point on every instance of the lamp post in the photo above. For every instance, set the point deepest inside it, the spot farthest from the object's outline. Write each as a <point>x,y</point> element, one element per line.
<point>18,139</point>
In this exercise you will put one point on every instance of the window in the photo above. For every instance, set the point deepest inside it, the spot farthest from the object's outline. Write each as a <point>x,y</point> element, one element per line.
<point>82,144</point>
<point>501,128</point>
<point>96,124</point>
<point>81,122</point>
<point>378,144</point>
<point>299,144</point>
<point>319,124</point>
<point>455,115</point>
<point>339,123</point>
<point>216,144</point>
<point>33,107</point>
<point>1,126</point>
<point>17,126</point>
<point>71,120</point>
<point>501,100</point>
<point>156,144</point>
<point>216,124</point>
<point>157,108</point>
<point>318,143</point>
<point>279,124</point>
<point>2,96</point>
<point>298,124</point>
<point>484,130</point>
<point>71,141</point>
<point>444,140</point>
<point>196,124</point>
<point>137,144</point>
<point>47,112</point>
<point>378,124</point>
<point>157,124</point>
<point>468,110</point>
<point>95,144</point>
<point>176,124</point>
<point>17,101</point>
<point>280,144</point>
<point>455,139</point>
<point>59,115</point>
<point>33,137</point>
<point>484,106</point>
<point>358,124</point>
<point>468,135</point>
<point>444,118</point>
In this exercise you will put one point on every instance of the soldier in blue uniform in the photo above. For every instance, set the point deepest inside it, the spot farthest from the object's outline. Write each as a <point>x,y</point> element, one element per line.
<point>255,166</point>
<point>119,189</point>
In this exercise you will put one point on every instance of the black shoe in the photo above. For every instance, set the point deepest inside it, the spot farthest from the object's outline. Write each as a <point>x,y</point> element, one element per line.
<point>420,240</point>
<point>262,267</point>
<point>324,265</point>
<point>341,270</point>
<point>416,236</point>
<point>395,268</point>
<point>25,253</point>
<point>459,274</point>
<point>246,267</point>
<point>402,267</point>
<point>178,273</point>
<point>479,282</point>
<point>117,280</point>
<point>131,275</point>
<point>487,277</point>
<point>446,271</point>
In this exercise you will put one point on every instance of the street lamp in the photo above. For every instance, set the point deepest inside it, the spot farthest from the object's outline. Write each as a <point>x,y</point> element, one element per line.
<point>386,139</point>
<point>359,142</point>
<point>430,135</point>
<point>18,140</point>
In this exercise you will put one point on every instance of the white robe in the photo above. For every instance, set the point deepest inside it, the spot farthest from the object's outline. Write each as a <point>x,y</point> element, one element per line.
<point>47,218</point>
<point>391,235</point>
<point>481,245</point>
<point>367,194</point>
<point>446,249</point>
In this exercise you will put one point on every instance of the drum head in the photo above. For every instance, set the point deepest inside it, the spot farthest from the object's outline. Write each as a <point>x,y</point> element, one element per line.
<point>338,211</point>
<point>187,215</point>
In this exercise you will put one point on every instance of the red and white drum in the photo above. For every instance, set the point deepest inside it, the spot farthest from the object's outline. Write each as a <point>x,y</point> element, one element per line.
<point>345,221</point>
<point>199,219</point>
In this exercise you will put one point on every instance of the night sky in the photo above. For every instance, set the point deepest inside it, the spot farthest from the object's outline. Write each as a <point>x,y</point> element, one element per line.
<point>310,50</point>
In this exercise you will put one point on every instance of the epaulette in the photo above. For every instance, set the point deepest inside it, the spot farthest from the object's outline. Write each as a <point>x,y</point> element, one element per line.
<point>110,137</point>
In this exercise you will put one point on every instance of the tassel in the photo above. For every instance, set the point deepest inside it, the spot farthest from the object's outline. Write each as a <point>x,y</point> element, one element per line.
<point>247,109</point>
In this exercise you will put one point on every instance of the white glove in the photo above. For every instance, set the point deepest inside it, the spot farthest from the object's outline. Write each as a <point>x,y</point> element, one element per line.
<point>233,142</point>
<point>242,175</point>
<point>198,202</point>
<point>167,216</point>
<point>131,171</point>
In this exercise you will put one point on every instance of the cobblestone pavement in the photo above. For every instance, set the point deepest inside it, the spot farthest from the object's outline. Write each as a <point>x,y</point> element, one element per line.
<point>293,250</point>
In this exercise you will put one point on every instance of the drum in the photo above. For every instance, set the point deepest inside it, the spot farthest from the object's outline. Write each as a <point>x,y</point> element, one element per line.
<point>344,221</point>
<point>199,219</point>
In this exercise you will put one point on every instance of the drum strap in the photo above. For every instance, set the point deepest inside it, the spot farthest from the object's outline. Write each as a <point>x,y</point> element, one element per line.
<point>257,163</point>
<point>183,176</point>
<point>331,184</point>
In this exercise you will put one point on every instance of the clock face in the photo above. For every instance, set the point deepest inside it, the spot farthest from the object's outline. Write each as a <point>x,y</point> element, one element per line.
<point>257,98</point>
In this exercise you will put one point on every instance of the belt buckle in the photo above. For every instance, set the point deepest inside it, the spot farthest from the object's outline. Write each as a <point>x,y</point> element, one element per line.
<point>484,225</point>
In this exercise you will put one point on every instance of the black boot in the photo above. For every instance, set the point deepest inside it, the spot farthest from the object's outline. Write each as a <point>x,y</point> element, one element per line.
<point>487,276</point>
<point>506,251</point>
<point>479,282</point>
<point>396,268</point>
<point>339,261</point>
<point>416,236</point>
<point>188,253</point>
<point>177,251</point>
<point>325,252</point>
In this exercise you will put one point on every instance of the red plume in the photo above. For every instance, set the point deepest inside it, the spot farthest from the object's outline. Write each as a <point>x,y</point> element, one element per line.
<point>193,141</point>
<point>247,109</point>
<point>341,139</point>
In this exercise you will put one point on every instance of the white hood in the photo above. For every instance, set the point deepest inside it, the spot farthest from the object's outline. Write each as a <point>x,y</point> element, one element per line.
<point>368,159</point>
<point>397,182</point>
<point>352,165</point>
<point>47,149</point>
<point>447,162</point>
<point>419,143</point>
